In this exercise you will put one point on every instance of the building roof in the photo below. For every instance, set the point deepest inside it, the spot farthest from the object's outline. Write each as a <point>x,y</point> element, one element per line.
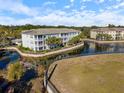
<point>48,31</point>
<point>17,40</point>
<point>108,29</point>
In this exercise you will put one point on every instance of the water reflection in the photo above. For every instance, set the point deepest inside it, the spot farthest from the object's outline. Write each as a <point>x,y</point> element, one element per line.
<point>6,57</point>
<point>89,48</point>
<point>94,48</point>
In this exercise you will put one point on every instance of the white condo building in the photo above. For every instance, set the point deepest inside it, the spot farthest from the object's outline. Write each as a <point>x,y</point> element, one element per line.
<point>36,39</point>
<point>115,33</point>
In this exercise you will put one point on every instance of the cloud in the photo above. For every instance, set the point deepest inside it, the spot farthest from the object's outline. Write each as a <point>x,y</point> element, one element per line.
<point>86,0</point>
<point>82,7</point>
<point>118,0</point>
<point>67,6</point>
<point>119,5</point>
<point>98,1</point>
<point>70,5</point>
<point>49,16</point>
<point>75,18</point>
<point>101,1</point>
<point>116,7</point>
<point>49,3</point>
<point>17,7</point>
<point>72,1</point>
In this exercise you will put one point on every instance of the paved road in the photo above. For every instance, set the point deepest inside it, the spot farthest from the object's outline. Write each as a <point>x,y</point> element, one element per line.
<point>46,54</point>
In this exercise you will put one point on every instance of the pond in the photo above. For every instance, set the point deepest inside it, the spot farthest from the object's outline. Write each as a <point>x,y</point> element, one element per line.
<point>89,48</point>
<point>7,57</point>
<point>104,48</point>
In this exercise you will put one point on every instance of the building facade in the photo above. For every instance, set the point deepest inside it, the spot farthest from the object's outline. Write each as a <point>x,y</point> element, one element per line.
<point>36,39</point>
<point>114,33</point>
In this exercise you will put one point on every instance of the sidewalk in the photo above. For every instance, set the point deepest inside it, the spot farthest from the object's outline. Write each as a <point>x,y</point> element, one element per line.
<point>46,54</point>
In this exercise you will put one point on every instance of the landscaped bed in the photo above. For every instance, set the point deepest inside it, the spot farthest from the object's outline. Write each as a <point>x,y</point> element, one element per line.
<point>90,74</point>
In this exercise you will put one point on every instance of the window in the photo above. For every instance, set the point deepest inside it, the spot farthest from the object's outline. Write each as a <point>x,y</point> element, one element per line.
<point>44,47</point>
<point>64,34</point>
<point>39,36</point>
<point>40,42</point>
<point>35,42</point>
<point>35,37</point>
<point>65,38</point>
<point>61,34</point>
<point>40,48</point>
<point>35,48</point>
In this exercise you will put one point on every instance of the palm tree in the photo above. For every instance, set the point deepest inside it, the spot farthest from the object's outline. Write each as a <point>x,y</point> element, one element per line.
<point>53,42</point>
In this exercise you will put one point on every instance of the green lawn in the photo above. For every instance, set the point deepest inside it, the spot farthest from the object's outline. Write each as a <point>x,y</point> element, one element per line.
<point>93,74</point>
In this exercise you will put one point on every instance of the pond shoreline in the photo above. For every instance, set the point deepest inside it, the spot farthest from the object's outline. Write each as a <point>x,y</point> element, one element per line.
<point>45,54</point>
<point>103,42</point>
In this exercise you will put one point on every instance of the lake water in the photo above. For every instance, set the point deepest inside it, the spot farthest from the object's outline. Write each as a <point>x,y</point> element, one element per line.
<point>95,48</point>
<point>89,48</point>
<point>8,57</point>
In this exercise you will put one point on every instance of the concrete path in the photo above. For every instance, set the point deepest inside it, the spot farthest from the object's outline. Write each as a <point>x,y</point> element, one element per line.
<point>46,54</point>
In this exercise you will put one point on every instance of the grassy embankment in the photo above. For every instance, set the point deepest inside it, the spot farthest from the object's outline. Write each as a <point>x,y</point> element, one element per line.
<point>27,50</point>
<point>90,74</point>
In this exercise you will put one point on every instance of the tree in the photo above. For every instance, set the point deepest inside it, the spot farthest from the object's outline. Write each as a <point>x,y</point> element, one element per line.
<point>86,31</point>
<point>15,71</point>
<point>99,37</point>
<point>54,42</point>
<point>40,70</point>
<point>3,38</point>
<point>111,25</point>
<point>94,27</point>
<point>107,37</point>
<point>103,37</point>
<point>77,39</point>
<point>82,36</point>
<point>74,40</point>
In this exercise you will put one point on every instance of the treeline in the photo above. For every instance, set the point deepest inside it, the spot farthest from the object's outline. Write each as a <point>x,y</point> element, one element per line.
<point>15,30</point>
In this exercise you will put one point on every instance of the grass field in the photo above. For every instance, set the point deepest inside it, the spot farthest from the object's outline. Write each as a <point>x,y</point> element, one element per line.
<point>90,74</point>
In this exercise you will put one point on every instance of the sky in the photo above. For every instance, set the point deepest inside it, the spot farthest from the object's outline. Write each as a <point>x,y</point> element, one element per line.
<point>62,12</point>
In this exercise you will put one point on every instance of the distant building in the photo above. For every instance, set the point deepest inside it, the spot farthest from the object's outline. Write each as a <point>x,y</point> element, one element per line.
<point>17,41</point>
<point>36,39</point>
<point>115,33</point>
